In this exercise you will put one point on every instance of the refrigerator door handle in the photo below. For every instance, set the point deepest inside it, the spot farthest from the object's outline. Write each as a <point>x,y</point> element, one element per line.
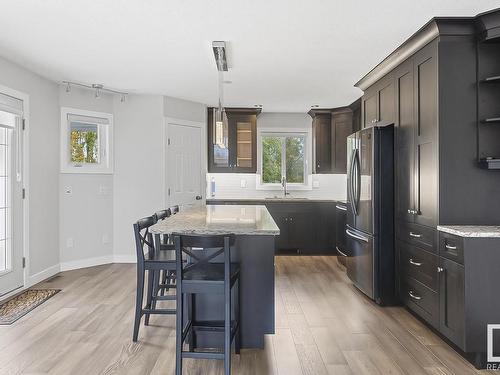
<point>356,236</point>
<point>357,167</point>
<point>351,187</point>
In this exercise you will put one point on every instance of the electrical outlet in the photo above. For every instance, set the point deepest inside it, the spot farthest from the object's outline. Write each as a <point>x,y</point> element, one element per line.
<point>316,184</point>
<point>68,190</point>
<point>70,243</point>
<point>105,239</point>
<point>103,190</point>
<point>243,183</point>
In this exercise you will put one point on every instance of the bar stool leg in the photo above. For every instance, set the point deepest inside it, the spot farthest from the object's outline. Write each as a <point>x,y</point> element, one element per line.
<point>178,331</point>
<point>190,301</point>
<point>149,294</point>
<point>138,302</point>
<point>237,344</point>
<point>227,330</point>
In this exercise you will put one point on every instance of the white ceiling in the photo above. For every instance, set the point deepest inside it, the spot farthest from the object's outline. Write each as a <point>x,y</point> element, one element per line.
<point>284,54</point>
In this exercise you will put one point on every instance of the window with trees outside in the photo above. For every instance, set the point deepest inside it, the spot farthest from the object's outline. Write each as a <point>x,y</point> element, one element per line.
<point>86,141</point>
<point>283,155</point>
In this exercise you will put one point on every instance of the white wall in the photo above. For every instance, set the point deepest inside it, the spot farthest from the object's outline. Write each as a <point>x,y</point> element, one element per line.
<point>86,214</point>
<point>138,178</point>
<point>43,189</point>
<point>324,186</point>
<point>184,109</point>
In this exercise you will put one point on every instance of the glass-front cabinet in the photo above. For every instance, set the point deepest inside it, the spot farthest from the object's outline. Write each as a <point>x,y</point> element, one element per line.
<point>232,142</point>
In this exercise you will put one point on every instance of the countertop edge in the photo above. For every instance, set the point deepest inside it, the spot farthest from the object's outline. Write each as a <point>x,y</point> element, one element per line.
<point>471,231</point>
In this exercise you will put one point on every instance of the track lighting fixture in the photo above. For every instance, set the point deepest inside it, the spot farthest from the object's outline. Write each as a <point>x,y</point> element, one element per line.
<point>97,87</point>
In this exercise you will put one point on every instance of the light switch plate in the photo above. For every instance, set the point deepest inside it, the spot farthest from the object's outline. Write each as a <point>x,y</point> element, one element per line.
<point>70,243</point>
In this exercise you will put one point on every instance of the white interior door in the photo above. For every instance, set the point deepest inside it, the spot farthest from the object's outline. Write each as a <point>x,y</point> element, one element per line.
<point>11,209</point>
<point>184,165</point>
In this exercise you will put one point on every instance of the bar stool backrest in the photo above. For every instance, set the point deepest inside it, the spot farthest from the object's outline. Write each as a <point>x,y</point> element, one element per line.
<point>163,214</point>
<point>220,244</point>
<point>144,238</point>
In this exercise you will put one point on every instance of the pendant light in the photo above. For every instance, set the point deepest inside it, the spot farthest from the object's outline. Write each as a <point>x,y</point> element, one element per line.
<point>220,136</point>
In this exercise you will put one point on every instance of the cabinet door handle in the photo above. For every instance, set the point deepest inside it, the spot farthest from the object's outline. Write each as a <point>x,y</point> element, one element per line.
<point>415,235</point>
<point>440,269</point>
<point>449,247</point>
<point>415,263</point>
<point>414,296</point>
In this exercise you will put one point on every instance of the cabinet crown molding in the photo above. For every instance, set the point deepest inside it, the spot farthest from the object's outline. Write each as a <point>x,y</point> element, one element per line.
<point>438,26</point>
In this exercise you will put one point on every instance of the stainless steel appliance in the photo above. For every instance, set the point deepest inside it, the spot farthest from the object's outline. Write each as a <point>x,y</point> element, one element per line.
<point>370,212</point>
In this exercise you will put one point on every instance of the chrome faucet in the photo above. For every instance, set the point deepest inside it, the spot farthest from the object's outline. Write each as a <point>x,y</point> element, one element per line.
<point>283,184</point>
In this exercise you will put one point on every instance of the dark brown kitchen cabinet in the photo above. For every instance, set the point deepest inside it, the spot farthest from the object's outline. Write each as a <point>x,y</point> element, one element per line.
<point>378,103</point>
<point>403,76</point>
<point>330,128</point>
<point>321,142</point>
<point>342,127</point>
<point>451,301</point>
<point>425,126</point>
<point>416,137</point>
<point>369,107</point>
<point>234,150</point>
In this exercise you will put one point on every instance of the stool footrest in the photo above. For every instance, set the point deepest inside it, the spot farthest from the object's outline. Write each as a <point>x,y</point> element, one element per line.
<point>159,311</point>
<point>203,355</point>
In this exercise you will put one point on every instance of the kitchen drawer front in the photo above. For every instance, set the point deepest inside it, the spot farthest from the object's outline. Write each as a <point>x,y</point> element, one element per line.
<point>451,247</point>
<point>416,234</point>
<point>418,264</point>
<point>421,300</point>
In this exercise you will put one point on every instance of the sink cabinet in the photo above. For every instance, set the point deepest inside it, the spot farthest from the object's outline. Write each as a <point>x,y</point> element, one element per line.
<point>306,227</point>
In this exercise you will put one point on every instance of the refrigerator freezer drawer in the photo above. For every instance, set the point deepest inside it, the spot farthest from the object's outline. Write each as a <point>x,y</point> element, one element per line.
<point>360,262</point>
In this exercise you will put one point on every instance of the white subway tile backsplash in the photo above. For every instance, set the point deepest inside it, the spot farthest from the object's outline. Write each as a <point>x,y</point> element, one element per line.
<point>243,186</point>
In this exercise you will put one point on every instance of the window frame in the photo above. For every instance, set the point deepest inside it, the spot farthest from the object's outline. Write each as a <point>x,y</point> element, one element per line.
<point>105,142</point>
<point>283,133</point>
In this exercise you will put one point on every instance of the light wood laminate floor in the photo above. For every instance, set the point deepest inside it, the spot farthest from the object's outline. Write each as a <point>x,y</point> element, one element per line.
<point>323,326</point>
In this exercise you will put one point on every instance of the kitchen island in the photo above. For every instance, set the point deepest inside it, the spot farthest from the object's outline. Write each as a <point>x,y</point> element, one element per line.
<point>255,229</point>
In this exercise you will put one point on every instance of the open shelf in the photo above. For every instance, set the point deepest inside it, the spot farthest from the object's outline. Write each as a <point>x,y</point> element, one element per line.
<point>493,79</point>
<point>490,120</point>
<point>490,163</point>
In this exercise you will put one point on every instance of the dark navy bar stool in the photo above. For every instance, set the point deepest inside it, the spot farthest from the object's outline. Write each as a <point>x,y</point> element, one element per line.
<point>201,276</point>
<point>153,262</point>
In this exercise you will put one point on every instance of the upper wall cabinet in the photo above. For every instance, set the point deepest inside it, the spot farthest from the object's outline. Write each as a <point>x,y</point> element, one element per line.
<point>378,103</point>
<point>322,140</point>
<point>232,146</point>
<point>342,127</point>
<point>330,128</point>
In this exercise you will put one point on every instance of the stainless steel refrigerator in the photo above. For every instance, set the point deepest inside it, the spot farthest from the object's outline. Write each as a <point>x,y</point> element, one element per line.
<point>370,212</point>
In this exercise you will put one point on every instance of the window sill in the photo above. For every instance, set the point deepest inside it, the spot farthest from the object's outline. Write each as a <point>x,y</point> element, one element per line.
<point>289,187</point>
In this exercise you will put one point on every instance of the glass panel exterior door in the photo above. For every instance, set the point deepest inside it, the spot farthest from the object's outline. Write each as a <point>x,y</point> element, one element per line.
<point>11,251</point>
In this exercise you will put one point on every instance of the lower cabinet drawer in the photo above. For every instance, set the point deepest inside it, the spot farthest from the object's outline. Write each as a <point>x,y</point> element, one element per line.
<point>415,234</point>
<point>421,300</point>
<point>451,247</point>
<point>418,264</point>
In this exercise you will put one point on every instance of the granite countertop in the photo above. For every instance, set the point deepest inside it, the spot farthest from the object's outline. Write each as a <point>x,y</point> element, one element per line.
<point>219,219</point>
<point>270,200</point>
<point>471,230</point>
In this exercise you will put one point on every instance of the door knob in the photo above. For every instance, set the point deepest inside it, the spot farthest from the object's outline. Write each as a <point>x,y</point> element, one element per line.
<point>198,197</point>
